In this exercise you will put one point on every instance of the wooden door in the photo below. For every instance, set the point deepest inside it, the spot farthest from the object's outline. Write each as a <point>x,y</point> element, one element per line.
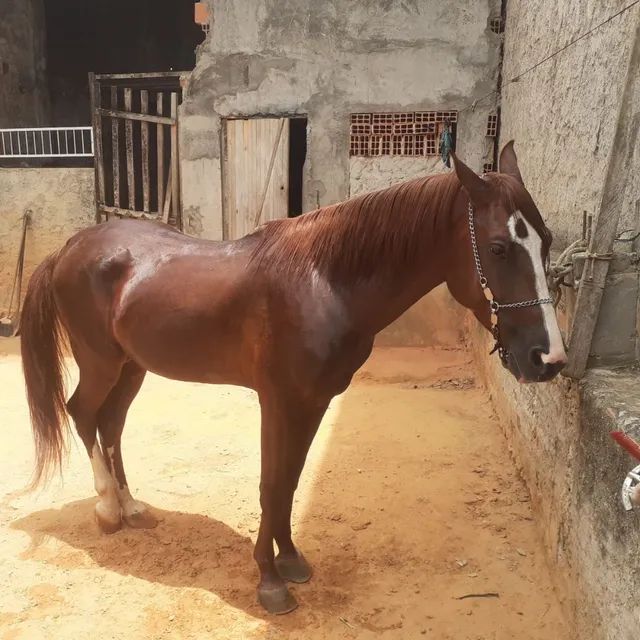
<point>255,173</point>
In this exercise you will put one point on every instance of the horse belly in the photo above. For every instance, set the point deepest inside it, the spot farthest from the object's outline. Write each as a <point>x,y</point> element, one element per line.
<point>183,362</point>
<point>188,336</point>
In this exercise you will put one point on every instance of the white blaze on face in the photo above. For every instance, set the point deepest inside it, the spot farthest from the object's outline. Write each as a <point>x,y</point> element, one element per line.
<point>532,243</point>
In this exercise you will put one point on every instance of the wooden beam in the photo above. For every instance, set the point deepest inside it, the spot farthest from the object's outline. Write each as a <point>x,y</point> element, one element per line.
<point>166,207</point>
<point>128,131</point>
<point>140,76</point>
<point>175,185</point>
<point>226,179</point>
<point>96,102</point>
<point>125,115</point>
<point>129,213</point>
<point>144,142</point>
<point>596,267</point>
<point>160,154</point>
<point>115,149</point>
<point>267,182</point>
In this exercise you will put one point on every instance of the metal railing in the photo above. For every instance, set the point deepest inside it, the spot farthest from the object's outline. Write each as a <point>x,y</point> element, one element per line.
<point>47,142</point>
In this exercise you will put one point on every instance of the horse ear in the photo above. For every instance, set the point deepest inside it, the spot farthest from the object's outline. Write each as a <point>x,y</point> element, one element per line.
<point>508,162</point>
<point>474,185</point>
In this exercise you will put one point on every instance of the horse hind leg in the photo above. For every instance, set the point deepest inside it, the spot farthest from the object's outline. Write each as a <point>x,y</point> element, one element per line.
<point>94,386</point>
<point>111,420</point>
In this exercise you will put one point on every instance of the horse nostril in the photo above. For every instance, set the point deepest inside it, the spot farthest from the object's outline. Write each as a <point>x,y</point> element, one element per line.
<point>535,356</point>
<point>545,370</point>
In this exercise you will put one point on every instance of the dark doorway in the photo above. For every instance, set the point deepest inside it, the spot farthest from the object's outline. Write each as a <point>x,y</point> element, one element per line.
<point>112,36</point>
<point>297,156</point>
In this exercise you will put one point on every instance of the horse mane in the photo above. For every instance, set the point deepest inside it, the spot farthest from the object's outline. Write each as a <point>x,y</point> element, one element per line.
<point>382,230</point>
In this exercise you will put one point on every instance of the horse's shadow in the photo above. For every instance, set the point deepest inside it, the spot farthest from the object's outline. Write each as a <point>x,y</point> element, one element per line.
<point>185,550</point>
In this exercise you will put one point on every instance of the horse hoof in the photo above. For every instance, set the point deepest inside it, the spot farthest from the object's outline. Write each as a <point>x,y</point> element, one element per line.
<point>276,600</point>
<point>106,520</point>
<point>293,568</point>
<point>141,519</point>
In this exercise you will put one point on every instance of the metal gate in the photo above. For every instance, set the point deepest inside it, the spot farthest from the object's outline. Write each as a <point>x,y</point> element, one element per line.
<point>135,125</point>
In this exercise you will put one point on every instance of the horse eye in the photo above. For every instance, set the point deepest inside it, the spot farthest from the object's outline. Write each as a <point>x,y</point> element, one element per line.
<point>497,249</point>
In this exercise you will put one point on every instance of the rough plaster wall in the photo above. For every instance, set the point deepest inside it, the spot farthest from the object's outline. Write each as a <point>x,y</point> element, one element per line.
<point>23,87</point>
<point>327,60</point>
<point>563,117</point>
<point>563,114</point>
<point>559,435</point>
<point>434,321</point>
<point>369,174</point>
<point>542,428</point>
<point>61,202</point>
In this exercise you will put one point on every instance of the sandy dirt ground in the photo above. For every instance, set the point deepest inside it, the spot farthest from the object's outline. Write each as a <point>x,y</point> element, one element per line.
<point>409,502</point>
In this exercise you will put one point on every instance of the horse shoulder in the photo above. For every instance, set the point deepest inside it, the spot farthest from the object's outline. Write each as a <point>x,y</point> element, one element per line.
<point>317,340</point>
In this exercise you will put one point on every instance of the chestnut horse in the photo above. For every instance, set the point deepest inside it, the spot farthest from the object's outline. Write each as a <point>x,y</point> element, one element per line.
<point>290,311</point>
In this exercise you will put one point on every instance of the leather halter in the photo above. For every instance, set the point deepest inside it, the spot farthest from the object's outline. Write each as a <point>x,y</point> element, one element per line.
<point>494,305</point>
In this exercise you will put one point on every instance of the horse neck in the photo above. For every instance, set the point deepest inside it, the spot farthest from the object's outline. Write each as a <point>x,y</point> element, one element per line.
<point>378,299</point>
<point>376,303</point>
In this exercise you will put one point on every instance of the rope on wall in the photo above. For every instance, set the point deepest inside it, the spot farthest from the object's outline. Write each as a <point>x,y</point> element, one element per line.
<point>560,268</point>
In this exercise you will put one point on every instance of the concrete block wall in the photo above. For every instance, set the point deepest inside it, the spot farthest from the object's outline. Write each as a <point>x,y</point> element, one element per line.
<point>61,202</point>
<point>325,61</point>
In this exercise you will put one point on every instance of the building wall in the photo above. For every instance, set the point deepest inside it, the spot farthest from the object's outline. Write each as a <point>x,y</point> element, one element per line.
<point>61,202</point>
<point>558,433</point>
<point>563,114</point>
<point>325,61</point>
<point>24,98</point>
<point>369,174</point>
<point>562,117</point>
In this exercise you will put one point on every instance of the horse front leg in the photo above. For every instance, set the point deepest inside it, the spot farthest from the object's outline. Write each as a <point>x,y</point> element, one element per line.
<point>273,593</point>
<point>285,441</point>
<point>291,564</point>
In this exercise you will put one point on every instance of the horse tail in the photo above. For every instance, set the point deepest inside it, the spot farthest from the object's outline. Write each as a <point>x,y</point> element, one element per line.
<point>42,347</point>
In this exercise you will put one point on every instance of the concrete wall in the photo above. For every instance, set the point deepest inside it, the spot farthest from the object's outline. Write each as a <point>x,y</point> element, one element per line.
<point>436,320</point>
<point>615,339</point>
<point>559,435</point>
<point>24,98</point>
<point>369,174</point>
<point>61,202</point>
<point>563,114</point>
<point>325,61</point>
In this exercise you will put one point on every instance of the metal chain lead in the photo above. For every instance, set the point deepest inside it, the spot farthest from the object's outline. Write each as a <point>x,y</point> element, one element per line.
<point>474,245</point>
<point>528,303</point>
